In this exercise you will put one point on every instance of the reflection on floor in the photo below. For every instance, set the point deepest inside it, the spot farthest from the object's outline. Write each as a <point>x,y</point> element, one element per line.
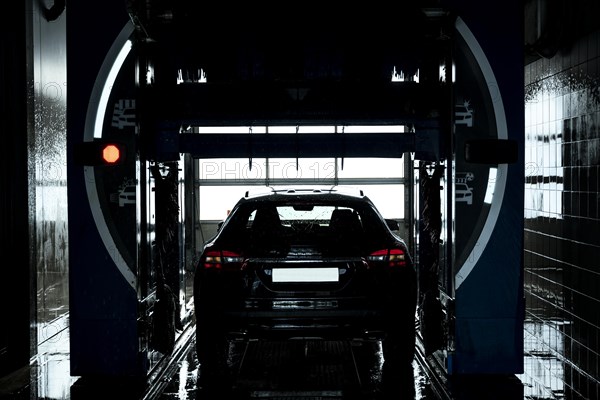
<point>311,368</point>
<point>302,369</point>
<point>49,377</point>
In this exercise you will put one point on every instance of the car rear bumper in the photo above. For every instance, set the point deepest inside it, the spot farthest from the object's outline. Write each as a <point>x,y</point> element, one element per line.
<point>293,323</point>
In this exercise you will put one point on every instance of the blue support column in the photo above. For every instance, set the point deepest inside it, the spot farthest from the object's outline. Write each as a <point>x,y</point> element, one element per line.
<point>104,327</point>
<point>488,244</point>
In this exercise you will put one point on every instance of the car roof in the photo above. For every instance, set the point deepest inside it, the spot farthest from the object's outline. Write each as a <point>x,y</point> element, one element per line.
<point>333,193</point>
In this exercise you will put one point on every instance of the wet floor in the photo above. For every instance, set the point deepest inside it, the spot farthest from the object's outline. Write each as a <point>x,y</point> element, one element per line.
<point>308,369</point>
<point>332,370</point>
<point>300,369</point>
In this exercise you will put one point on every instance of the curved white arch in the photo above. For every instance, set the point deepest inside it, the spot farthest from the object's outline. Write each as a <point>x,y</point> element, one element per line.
<point>97,108</point>
<point>501,126</point>
<point>93,129</point>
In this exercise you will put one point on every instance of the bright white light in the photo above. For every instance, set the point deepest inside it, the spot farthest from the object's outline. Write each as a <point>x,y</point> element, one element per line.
<point>442,73</point>
<point>201,77</point>
<point>149,75</point>
<point>372,128</point>
<point>400,77</point>
<point>489,193</point>
<point>108,85</point>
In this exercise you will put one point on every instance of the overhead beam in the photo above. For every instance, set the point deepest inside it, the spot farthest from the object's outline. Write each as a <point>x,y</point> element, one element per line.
<point>169,144</point>
<point>294,103</point>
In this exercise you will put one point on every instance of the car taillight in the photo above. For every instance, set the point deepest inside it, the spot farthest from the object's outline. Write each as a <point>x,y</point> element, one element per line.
<point>388,257</point>
<point>221,259</point>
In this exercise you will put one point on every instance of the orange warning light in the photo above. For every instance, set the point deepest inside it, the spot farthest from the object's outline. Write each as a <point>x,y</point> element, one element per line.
<point>111,153</point>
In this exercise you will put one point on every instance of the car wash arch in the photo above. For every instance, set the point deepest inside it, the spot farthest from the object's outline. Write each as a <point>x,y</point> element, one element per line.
<point>151,86</point>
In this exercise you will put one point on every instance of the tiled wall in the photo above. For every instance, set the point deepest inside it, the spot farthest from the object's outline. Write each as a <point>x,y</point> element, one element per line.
<point>562,224</point>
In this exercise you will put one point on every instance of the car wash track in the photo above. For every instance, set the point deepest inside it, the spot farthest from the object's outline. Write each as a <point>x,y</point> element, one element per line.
<point>304,368</point>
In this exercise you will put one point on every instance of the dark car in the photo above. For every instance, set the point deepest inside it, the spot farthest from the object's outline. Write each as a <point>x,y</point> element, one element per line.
<point>304,264</point>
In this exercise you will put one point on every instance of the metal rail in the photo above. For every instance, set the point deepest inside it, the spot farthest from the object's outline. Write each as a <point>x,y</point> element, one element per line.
<point>434,371</point>
<point>160,377</point>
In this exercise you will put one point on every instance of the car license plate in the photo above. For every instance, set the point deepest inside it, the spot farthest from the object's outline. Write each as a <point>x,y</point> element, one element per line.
<point>305,275</point>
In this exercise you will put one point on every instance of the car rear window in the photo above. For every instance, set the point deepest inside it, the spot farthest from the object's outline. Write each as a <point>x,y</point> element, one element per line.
<point>288,215</point>
<point>272,224</point>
